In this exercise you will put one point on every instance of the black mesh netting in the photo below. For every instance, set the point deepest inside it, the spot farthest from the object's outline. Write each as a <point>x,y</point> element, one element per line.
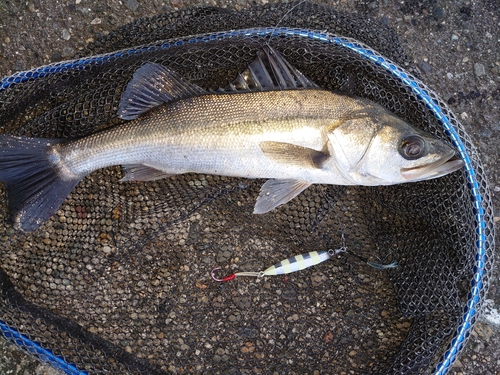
<point>117,281</point>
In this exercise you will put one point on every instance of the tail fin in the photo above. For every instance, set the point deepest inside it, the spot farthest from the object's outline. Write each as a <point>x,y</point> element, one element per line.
<point>34,188</point>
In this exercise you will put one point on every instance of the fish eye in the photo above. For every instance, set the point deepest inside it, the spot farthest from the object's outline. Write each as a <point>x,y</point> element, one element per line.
<point>413,147</point>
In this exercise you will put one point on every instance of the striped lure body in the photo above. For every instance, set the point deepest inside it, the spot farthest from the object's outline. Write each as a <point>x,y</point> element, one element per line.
<point>298,263</point>
<point>293,264</point>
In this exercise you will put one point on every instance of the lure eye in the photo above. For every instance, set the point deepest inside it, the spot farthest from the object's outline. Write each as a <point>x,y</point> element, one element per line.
<point>413,147</point>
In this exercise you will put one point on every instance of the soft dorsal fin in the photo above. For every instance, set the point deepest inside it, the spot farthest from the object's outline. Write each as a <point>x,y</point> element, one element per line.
<point>153,85</point>
<point>269,71</point>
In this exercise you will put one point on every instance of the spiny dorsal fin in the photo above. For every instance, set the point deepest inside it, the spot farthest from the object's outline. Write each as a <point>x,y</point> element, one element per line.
<point>269,71</point>
<point>153,85</point>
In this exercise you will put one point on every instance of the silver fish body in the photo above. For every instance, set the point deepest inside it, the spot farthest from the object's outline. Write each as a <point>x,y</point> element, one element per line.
<point>286,129</point>
<point>272,134</point>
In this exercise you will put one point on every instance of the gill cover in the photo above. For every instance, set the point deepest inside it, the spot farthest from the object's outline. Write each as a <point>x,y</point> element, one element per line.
<point>350,142</point>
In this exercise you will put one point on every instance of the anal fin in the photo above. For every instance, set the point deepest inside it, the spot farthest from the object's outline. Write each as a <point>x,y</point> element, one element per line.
<point>277,192</point>
<point>139,172</point>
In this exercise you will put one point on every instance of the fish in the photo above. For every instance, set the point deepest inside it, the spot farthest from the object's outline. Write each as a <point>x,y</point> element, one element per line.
<point>270,122</point>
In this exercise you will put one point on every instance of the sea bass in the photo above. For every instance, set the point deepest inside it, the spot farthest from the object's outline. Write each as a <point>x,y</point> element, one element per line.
<point>271,122</point>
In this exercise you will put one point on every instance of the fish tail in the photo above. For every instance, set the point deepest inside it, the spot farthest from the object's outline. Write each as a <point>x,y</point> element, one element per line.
<point>35,187</point>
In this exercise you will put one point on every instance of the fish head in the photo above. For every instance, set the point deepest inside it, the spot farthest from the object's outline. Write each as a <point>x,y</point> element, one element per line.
<point>374,147</point>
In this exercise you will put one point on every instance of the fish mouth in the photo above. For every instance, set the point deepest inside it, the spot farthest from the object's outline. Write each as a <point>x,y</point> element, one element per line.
<point>441,167</point>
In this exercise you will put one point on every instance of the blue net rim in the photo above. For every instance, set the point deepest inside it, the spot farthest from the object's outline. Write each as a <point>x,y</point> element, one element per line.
<point>421,91</point>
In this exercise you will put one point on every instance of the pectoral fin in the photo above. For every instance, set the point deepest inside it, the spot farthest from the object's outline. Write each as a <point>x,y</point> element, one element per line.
<point>287,153</point>
<point>139,172</point>
<point>277,192</point>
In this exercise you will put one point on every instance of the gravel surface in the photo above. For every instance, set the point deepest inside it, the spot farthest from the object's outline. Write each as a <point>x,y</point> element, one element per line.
<point>455,45</point>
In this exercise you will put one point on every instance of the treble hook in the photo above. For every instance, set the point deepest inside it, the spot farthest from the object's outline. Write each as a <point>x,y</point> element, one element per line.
<point>224,279</point>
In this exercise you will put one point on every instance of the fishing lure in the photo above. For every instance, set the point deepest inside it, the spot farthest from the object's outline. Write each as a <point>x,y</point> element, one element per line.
<point>293,264</point>
<point>298,263</point>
